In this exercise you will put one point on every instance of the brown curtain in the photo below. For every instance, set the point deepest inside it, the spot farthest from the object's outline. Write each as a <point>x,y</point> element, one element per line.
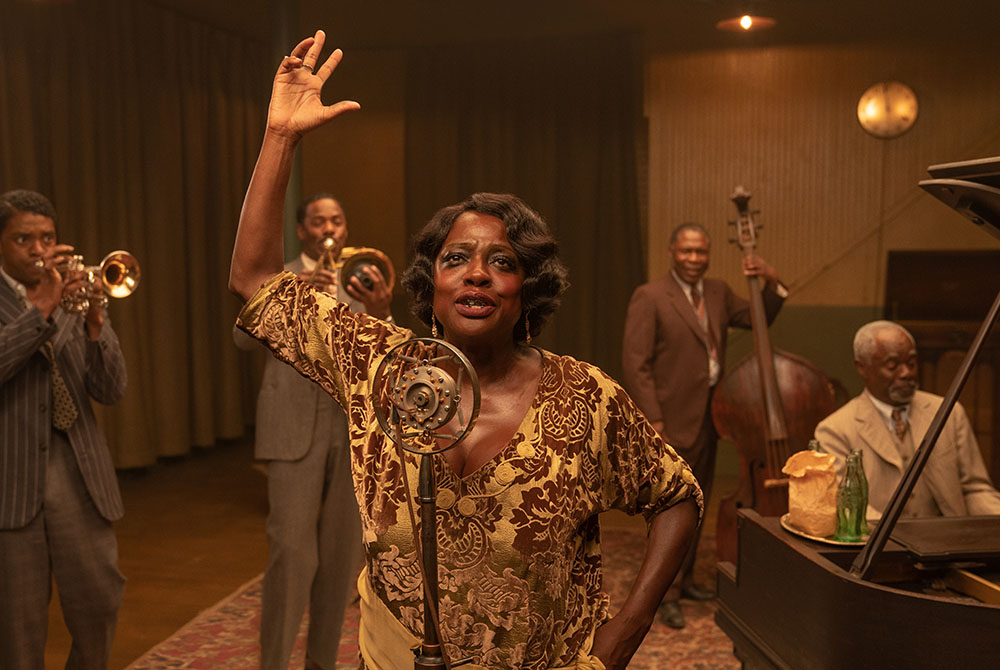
<point>556,123</point>
<point>142,127</point>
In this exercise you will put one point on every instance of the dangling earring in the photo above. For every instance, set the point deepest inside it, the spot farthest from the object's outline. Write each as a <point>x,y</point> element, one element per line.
<point>527,330</point>
<point>434,327</point>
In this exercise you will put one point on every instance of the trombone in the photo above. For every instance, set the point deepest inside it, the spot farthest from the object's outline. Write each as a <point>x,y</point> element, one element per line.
<point>351,262</point>
<point>119,273</point>
<point>328,259</point>
<point>356,259</point>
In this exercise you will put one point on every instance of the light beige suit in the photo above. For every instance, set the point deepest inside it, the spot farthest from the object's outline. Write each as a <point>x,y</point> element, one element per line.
<point>954,473</point>
<point>313,526</point>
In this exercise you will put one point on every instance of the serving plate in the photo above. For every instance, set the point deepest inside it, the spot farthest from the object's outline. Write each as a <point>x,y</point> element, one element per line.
<point>787,525</point>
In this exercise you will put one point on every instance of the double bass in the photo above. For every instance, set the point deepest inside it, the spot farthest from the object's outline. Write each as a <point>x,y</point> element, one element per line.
<point>769,405</point>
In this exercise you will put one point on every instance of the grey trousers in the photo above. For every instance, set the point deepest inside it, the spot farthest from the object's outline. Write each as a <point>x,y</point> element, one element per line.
<point>314,537</point>
<point>70,541</point>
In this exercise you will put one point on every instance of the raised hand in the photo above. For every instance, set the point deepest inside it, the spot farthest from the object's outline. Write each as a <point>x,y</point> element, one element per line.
<point>296,106</point>
<point>295,109</point>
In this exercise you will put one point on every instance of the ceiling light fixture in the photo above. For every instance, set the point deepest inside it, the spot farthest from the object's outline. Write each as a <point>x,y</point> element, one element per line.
<point>746,23</point>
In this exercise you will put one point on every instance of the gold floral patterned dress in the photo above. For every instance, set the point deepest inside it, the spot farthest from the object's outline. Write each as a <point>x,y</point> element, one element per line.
<point>519,557</point>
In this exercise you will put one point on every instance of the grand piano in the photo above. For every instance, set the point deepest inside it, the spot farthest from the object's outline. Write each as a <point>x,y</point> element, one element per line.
<point>921,594</point>
<point>793,604</point>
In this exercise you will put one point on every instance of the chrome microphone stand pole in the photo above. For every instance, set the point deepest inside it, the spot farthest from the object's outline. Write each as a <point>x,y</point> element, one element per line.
<point>425,398</point>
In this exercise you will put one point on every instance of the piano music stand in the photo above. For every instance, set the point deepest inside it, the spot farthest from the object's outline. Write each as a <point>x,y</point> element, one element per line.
<point>971,189</point>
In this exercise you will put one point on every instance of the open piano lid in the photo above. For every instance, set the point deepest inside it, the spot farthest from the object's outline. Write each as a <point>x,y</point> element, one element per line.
<point>971,188</point>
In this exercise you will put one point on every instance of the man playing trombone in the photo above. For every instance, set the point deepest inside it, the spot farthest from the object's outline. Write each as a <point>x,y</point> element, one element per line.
<point>313,526</point>
<point>58,490</point>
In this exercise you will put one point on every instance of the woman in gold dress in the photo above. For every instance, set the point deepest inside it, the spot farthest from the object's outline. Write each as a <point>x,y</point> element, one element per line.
<point>557,441</point>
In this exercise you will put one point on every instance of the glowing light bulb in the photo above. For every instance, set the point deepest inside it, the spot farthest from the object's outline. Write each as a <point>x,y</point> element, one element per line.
<point>746,23</point>
<point>872,109</point>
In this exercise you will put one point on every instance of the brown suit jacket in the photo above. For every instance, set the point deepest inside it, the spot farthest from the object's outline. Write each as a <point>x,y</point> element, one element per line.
<point>954,472</point>
<point>665,352</point>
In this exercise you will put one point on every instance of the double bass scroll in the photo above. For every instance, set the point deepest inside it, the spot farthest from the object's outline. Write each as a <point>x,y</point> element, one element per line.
<point>768,405</point>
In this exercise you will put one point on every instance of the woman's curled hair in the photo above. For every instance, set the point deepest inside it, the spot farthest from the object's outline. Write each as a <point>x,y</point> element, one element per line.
<point>535,247</point>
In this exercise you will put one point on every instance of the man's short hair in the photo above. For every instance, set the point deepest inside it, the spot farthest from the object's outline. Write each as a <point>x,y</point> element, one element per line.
<point>19,201</point>
<point>300,213</point>
<point>864,339</point>
<point>689,225</point>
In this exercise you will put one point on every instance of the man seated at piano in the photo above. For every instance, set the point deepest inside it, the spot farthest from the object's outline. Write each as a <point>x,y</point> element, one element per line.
<point>888,421</point>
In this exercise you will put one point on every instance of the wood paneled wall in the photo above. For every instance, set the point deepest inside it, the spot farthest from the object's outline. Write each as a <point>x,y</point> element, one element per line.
<point>833,200</point>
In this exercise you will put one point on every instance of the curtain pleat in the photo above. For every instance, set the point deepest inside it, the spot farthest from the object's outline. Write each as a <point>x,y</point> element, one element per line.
<point>556,123</point>
<point>142,126</point>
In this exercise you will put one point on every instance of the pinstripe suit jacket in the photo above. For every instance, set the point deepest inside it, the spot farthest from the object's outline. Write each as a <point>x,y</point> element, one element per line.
<point>90,369</point>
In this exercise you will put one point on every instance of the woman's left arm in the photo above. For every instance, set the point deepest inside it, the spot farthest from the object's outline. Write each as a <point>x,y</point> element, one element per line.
<point>670,533</point>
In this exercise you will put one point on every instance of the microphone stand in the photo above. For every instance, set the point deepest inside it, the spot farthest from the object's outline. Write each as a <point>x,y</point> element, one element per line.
<point>431,655</point>
<point>426,398</point>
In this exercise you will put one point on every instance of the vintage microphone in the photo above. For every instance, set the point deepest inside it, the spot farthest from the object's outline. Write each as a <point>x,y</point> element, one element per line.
<point>415,396</point>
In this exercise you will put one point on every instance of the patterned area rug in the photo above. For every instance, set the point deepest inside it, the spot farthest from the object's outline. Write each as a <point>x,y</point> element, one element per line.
<point>224,637</point>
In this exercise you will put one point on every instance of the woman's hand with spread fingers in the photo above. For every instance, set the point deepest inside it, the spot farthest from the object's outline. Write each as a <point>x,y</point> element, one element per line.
<point>296,106</point>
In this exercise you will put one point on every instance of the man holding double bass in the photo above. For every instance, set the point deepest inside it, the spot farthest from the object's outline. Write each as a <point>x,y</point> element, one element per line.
<point>673,355</point>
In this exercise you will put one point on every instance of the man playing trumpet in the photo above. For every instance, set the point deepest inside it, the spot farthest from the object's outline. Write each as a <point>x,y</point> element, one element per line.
<point>313,526</point>
<point>58,490</point>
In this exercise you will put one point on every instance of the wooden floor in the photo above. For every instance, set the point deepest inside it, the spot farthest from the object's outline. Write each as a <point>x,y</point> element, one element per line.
<point>193,532</point>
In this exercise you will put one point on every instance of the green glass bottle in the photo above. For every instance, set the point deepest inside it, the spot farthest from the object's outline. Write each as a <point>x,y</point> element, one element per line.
<point>864,488</point>
<point>852,501</point>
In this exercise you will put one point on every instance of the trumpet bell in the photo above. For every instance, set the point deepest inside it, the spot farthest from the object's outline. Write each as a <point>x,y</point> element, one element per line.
<point>120,274</point>
<point>356,259</point>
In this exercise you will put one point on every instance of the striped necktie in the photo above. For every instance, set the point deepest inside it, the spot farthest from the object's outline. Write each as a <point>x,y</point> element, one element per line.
<point>699,308</point>
<point>899,422</point>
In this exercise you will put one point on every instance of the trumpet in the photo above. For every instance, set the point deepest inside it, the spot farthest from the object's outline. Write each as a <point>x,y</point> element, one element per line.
<point>327,261</point>
<point>119,273</point>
